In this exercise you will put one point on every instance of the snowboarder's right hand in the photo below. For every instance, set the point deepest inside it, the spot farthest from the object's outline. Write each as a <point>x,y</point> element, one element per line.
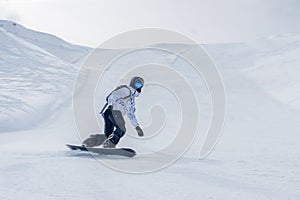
<point>139,131</point>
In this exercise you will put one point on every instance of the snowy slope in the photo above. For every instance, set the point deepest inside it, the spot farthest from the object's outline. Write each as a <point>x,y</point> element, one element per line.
<point>276,68</point>
<point>37,73</point>
<point>256,158</point>
<point>50,43</point>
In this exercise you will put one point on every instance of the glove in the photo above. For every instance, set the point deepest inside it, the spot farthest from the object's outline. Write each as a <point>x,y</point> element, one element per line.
<point>139,131</point>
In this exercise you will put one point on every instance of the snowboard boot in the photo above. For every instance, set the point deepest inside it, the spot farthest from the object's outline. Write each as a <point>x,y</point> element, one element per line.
<point>94,140</point>
<point>108,144</point>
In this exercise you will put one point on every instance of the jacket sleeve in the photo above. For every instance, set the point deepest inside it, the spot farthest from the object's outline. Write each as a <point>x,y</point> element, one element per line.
<point>132,117</point>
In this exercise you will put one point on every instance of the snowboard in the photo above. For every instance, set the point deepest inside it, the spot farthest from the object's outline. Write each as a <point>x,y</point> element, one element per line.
<point>127,152</point>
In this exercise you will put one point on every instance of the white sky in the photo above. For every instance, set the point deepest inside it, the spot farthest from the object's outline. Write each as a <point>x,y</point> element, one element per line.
<point>90,22</point>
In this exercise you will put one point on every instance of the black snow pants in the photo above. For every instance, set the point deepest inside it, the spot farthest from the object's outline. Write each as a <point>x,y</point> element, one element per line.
<point>111,127</point>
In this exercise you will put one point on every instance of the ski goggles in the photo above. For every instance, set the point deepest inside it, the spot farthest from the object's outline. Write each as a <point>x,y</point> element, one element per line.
<point>138,85</point>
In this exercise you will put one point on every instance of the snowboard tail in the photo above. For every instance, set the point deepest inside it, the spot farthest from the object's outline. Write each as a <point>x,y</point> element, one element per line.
<point>127,152</point>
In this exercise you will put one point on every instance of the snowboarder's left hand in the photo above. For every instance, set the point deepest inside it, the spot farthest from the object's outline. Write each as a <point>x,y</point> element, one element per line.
<point>139,131</point>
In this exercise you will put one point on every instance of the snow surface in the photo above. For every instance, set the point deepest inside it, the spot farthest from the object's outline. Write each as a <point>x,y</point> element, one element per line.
<point>256,158</point>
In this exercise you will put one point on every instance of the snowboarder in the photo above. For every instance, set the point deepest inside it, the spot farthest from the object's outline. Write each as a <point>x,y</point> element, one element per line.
<point>120,102</point>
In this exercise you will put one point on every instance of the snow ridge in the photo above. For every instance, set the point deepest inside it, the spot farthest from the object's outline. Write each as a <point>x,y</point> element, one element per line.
<point>37,74</point>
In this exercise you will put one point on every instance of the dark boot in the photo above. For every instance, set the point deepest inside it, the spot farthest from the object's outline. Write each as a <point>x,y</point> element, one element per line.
<point>94,140</point>
<point>108,144</point>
